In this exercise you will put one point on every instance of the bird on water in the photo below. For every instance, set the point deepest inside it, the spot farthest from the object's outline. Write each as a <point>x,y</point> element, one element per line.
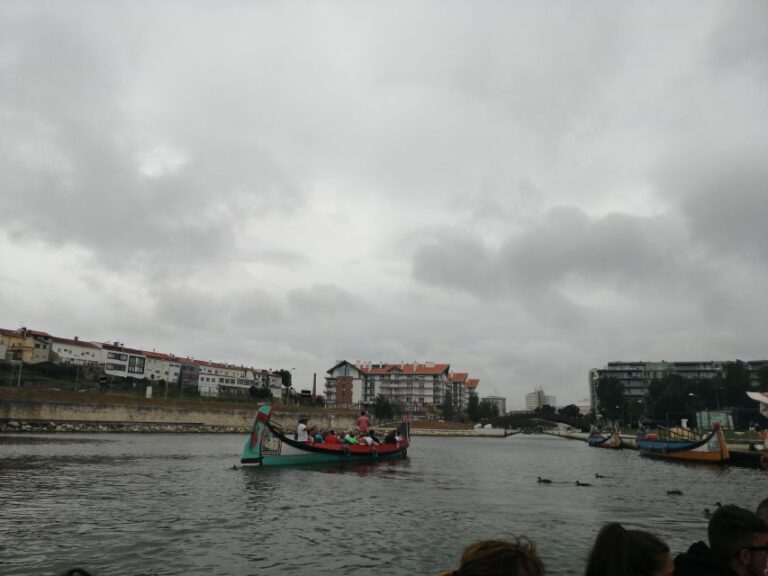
<point>582,483</point>
<point>674,492</point>
<point>544,480</point>
<point>599,475</point>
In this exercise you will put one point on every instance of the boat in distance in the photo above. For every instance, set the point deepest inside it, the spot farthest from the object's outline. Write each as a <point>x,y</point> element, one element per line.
<point>612,440</point>
<point>268,445</point>
<point>683,444</point>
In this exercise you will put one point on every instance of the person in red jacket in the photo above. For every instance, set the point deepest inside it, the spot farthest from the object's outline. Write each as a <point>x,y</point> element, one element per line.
<point>332,438</point>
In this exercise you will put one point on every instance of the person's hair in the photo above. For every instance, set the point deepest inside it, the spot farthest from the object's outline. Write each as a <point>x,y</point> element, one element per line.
<point>516,557</point>
<point>762,510</point>
<point>621,552</point>
<point>732,528</point>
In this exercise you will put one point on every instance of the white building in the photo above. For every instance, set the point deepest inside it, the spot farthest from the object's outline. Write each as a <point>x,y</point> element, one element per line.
<point>164,367</point>
<point>344,385</point>
<point>121,361</point>
<point>76,351</point>
<point>537,399</point>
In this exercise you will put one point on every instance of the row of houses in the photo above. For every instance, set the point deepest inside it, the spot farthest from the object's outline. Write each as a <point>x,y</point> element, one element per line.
<point>115,359</point>
<point>416,386</point>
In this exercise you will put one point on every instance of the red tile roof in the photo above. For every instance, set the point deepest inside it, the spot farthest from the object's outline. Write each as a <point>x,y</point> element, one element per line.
<point>82,343</point>
<point>472,383</point>
<point>458,376</point>
<point>409,369</point>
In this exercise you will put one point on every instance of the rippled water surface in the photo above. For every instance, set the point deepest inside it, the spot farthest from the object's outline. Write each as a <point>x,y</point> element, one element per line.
<point>171,504</point>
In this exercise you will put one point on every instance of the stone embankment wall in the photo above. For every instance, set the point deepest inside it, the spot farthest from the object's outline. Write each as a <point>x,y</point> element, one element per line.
<point>30,416</point>
<point>479,433</point>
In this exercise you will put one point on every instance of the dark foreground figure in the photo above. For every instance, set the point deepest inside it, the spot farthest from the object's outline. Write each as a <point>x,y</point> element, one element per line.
<point>738,546</point>
<point>516,557</point>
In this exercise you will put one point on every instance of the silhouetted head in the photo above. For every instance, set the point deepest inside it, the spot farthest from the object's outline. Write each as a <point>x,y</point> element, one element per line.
<point>739,538</point>
<point>516,557</point>
<point>762,510</point>
<point>621,552</point>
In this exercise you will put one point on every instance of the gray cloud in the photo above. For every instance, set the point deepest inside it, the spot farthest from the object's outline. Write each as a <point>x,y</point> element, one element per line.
<point>523,191</point>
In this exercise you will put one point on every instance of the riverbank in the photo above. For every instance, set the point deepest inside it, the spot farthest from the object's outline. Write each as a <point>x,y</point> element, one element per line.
<point>34,411</point>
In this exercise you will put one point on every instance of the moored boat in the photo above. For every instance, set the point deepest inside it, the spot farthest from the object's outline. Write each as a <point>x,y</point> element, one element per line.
<point>682,444</point>
<point>268,445</point>
<point>612,440</point>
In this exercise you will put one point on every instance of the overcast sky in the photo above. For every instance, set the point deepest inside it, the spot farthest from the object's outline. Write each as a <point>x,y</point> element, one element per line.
<point>524,190</point>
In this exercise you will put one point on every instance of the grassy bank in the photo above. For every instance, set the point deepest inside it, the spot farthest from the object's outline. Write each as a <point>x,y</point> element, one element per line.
<point>137,398</point>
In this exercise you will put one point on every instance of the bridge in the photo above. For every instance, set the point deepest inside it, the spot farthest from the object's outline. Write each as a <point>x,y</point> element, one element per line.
<point>535,420</point>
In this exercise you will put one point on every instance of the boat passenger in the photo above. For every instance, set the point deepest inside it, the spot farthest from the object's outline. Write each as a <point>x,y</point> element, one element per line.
<point>331,438</point>
<point>301,430</point>
<point>517,557</point>
<point>738,546</point>
<point>370,439</point>
<point>621,552</point>
<point>390,437</point>
<point>350,438</point>
<point>363,422</point>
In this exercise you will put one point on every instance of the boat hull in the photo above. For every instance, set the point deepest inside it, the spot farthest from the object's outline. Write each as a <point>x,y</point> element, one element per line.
<point>612,441</point>
<point>713,449</point>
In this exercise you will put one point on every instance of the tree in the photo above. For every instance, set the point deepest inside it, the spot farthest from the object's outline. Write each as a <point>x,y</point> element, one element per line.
<point>570,411</point>
<point>762,376</point>
<point>668,396</point>
<point>448,405</point>
<point>472,412</point>
<point>610,397</point>
<point>382,409</point>
<point>735,383</point>
<point>487,410</point>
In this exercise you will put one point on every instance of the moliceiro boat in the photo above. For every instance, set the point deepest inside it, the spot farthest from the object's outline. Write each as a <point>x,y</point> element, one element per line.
<point>268,445</point>
<point>683,444</point>
<point>598,440</point>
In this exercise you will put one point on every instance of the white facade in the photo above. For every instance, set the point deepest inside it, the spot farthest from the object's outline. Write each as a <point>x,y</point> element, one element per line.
<point>537,399</point>
<point>162,367</point>
<point>344,386</point>
<point>123,362</point>
<point>74,351</point>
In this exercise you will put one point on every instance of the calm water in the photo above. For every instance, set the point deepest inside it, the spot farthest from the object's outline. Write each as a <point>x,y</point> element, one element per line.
<point>169,504</point>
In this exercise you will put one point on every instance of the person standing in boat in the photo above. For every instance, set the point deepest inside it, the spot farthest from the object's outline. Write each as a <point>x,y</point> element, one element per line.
<point>363,422</point>
<point>301,430</point>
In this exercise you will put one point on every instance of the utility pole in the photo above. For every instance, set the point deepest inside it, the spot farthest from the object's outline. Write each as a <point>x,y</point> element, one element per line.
<point>21,365</point>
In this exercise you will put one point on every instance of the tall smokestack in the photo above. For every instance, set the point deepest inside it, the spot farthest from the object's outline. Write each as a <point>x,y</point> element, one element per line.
<point>314,384</point>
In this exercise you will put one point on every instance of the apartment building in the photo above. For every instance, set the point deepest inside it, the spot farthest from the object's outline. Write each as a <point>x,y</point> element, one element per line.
<point>636,377</point>
<point>158,366</point>
<point>415,386</point>
<point>344,385</point>
<point>121,361</point>
<point>74,351</point>
<point>537,399</point>
<point>458,388</point>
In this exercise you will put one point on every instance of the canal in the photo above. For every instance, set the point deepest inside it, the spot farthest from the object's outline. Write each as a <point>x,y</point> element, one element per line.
<point>171,504</point>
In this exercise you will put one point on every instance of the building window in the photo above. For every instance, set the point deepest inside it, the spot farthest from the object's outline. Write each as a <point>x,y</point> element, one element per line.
<point>116,367</point>
<point>136,365</point>
<point>116,356</point>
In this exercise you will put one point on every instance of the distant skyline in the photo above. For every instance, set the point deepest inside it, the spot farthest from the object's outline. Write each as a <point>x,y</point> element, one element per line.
<point>523,190</point>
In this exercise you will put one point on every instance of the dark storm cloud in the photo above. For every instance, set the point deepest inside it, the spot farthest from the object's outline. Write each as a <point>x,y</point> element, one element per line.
<point>566,242</point>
